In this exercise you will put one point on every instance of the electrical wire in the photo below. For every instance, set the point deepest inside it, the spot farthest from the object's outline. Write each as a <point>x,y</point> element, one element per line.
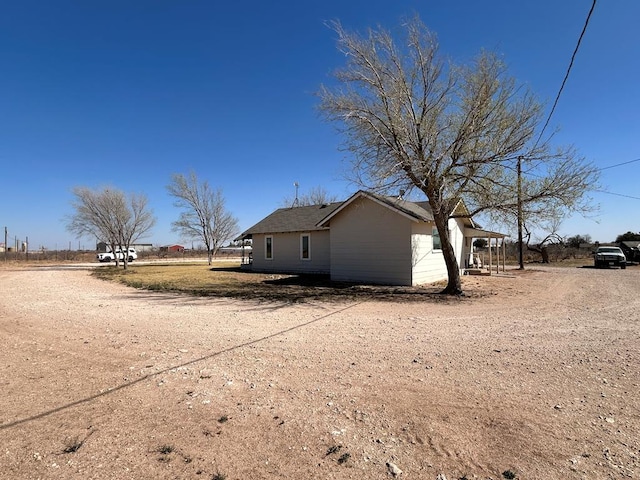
<point>564,81</point>
<point>555,103</point>
<point>617,194</point>
<point>531,174</point>
<point>620,164</point>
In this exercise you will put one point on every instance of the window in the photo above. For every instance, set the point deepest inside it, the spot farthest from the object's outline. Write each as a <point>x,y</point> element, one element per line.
<point>436,238</point>
<point>268,248</point>
<point>305,246</point>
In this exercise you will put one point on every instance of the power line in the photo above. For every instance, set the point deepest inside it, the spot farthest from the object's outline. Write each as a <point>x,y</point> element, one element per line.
<point>617,194</point>
<point>575,52</point>
<point>595,169</point>
<point>620,164</point>
<point>531,174</point>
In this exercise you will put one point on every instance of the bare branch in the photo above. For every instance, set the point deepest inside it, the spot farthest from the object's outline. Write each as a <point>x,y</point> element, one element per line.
<point>204,216</point>
<point>412,120</point>
<point>315,196</point>
<point>107,214</point>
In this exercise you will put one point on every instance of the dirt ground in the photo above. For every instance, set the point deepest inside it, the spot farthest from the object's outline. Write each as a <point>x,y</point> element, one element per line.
<point>536,376</point>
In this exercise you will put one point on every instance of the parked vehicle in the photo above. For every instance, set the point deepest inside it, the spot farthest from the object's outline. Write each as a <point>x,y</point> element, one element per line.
<point>111,257</point>
<point>631,250</point>
<point>609,256</point>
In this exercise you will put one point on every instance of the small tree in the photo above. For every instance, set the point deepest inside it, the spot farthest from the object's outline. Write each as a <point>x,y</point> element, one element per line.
<point>136,220</point>
<point>541,245</point>
<point>110,215</point>
<point>576,240</point>
<point>480,243</point>
<point>204,216</point>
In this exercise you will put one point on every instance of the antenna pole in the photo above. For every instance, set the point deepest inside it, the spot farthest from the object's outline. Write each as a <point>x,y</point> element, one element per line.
<point>295,201</point>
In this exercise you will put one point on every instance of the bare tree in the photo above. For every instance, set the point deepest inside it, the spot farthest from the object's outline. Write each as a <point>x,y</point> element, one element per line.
<point>91,217</point>
<point>110,215</point>
<point>315,196</point>
<point>578,240</point>
<point>204,216</point>
<point>135,222</point>
<point>413,121</point>
<point>541,245</point>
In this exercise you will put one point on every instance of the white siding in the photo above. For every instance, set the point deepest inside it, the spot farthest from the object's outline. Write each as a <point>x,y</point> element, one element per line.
<point>370,243</point>
<point>286,253</point>
<point>428,264</point>
<point>456,233</point>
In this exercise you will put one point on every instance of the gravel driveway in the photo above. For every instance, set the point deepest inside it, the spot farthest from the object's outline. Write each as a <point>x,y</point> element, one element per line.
<point>537,377</point>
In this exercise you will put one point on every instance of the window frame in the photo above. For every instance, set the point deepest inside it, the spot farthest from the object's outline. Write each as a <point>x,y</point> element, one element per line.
<point>308,237</point>
<point>435,234</point>
<point>268,247</point>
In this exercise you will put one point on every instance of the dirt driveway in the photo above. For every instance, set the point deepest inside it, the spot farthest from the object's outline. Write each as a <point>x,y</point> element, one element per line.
<point>537,378</point>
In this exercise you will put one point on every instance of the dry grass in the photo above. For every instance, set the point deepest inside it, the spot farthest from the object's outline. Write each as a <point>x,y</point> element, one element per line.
<point>193,278</point>
<point>228,280</point>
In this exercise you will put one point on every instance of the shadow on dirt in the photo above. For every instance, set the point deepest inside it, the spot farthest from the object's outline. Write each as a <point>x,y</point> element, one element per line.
<point>236,283</point>
<point>313,288</point>
<point>127,384</point>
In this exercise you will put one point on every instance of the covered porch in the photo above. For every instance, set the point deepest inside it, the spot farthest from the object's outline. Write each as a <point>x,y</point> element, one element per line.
<point>483,263</point>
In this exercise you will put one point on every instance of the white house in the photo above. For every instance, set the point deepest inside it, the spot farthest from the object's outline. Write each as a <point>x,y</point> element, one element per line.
<point>368,238</point>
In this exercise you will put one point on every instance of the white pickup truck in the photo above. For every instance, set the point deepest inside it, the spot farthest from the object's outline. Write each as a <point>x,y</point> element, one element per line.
<point>111,257</point>
<point>605,256</point>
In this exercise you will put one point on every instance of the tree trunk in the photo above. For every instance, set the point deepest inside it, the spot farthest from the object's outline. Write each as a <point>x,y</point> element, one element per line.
<point>542,250</point>
<point>454,284</point>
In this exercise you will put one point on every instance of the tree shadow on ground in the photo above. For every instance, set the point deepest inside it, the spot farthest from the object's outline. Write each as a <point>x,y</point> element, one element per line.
<point>303,288</point>
<point>236,283</point>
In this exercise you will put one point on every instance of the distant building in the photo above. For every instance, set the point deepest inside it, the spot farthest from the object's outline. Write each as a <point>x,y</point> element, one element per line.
<point>172,248</point>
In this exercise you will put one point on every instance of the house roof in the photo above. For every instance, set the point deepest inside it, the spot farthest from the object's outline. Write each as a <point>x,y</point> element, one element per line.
<point>318,217</point>
<point>418,211</point>
<point>293,219</point>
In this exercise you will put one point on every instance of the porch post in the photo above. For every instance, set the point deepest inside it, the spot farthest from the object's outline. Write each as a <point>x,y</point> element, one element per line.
<point>490,257</point>
<point>504,256</point>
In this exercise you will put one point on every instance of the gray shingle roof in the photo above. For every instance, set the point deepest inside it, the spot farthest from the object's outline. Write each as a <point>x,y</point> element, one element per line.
<point>294,219</point>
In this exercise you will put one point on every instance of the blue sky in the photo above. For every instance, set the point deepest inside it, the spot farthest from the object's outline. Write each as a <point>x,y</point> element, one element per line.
<point>125,93</point>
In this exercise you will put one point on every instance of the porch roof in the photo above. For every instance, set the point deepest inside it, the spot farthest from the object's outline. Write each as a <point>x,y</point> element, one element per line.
<point>480,233</point>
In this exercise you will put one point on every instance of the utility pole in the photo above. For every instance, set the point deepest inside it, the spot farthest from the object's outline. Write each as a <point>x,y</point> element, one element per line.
<point>520,257</point>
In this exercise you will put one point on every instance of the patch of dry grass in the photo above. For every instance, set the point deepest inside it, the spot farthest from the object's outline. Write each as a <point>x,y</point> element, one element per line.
<point>196,278</point>
<point>228,280</point>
